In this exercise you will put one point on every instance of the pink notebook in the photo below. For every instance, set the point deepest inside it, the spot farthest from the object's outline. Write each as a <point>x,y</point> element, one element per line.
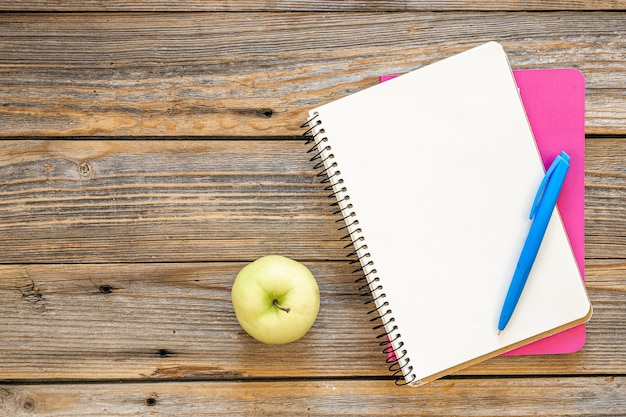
<point>555,104</point>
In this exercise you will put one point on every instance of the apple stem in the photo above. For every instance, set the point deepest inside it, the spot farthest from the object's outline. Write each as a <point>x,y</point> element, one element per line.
<point>285,309</point>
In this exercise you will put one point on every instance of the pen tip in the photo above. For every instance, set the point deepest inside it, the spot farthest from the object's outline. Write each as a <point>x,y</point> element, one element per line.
<point>499,331</point>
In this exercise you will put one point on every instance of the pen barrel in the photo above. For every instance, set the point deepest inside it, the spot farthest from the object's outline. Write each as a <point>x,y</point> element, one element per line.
<point>515,291</point>
<point>541,215</point>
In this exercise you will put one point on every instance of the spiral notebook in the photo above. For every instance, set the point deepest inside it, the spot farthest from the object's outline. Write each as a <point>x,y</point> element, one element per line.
<point>554,101</point>
<point>434,173</point>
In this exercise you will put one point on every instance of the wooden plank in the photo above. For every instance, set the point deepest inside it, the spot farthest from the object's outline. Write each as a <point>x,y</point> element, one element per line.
<point>162,201</point>
<point>99,201</point>
<point>600,396</point>
<point>175,321</point>
<point>196,201</point>
<point>600,111</point>
<point>143,74</point>
<point>307,5</point>
<point>605,198</point>
<point>167,321</point>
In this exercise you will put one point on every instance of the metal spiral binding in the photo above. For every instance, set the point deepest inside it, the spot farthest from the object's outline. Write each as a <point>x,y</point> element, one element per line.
<point>370,287</point>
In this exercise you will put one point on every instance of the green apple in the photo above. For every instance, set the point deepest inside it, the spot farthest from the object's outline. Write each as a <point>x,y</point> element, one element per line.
<point>276,299</point>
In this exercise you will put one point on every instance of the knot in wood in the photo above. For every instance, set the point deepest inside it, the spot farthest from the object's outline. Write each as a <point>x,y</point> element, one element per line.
<point>85,170</point>
<point>105,289</point>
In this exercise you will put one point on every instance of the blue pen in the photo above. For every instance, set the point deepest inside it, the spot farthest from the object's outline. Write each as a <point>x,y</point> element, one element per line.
<point>540,213</point>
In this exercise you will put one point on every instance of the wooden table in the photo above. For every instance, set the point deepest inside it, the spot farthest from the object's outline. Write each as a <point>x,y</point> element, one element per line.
<point>153,149</point>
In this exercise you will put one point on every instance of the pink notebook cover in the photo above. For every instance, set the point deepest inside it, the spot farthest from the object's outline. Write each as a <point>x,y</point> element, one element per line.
<point>554,100</point>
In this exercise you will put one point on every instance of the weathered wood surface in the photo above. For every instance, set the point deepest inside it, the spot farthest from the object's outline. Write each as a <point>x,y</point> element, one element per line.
<point>307,5</point>
<point>167,321</point>
<point>175,321</point>
<point>197,201</point>
<point>116,256</point>
<point>162,201</point>
<point>597,396</point>
<point>112,227</point>
<point>256,74</point>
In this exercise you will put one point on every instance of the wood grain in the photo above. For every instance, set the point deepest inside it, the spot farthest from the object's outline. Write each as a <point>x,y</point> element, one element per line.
<point>599,396</point>
<point>307,5</point>
<point>70,204</point>
<point>605,198</point>
<point>162,201</point>
<point>143,74</point>
<point>158,321</point>
<point>209,200</point>
<point>168,321</point>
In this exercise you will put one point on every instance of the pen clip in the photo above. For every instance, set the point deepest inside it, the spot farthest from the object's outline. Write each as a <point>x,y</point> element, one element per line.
<point>561,158</point>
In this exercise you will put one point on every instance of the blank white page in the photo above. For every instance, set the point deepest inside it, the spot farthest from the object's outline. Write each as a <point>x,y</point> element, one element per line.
<point>441,169</point>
